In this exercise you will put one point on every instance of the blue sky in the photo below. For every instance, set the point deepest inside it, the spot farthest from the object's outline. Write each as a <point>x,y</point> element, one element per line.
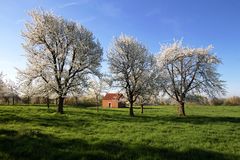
<point>198,22</point>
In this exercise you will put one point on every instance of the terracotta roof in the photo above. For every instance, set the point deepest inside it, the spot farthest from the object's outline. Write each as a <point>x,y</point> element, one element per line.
<point>112,96</point>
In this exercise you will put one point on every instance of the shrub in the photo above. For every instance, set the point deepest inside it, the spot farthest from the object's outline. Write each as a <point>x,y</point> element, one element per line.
<point>232,101</point>
<point>71,101</point>
<point>197,99</point>
<point>216,101</point>
<point>82,101</point>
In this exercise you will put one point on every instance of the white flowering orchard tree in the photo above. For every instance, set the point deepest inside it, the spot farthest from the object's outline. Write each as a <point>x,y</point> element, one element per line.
<point>150,89</point>
<point>13,89</point>
<point>1,82</point>
<point>60,53</point>
<point>129,62</point>
<point>4,89</point>
<point>27,90</point>
<point>185,70</point>
<point>98,85</point>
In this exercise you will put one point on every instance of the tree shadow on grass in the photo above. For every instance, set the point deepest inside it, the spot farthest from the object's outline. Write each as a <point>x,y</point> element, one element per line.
<point>60,121</point>
<point>192,119</point>
<point>30,144</point>
<point>51,121</point>
<point>4,118</point>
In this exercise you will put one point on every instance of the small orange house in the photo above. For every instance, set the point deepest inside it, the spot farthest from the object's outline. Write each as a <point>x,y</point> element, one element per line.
<point>113,100</point>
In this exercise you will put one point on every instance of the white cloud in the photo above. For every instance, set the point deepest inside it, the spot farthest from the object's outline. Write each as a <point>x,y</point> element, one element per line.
<point>153,12</point>
<point>110,10</point>
<point>70,4</point>
<point>173,23</point>
<point>20,21</point>
<point>87,19</point>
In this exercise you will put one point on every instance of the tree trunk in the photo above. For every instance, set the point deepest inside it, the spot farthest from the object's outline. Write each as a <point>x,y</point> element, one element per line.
<point>97,104</point>
<point>28,100</point>
<point>48,103</point>
<point>97,107</point>
<point>76,101</point>
<point>60,105</point>
<point>142,108</point>
<point>181,109</point>
<point>13,100</point>
<point>131,113</point>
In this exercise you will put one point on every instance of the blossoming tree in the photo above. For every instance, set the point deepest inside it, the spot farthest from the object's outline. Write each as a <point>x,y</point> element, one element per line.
<point>60,53</point>
<point>130,62</point>
<point>184,70</point>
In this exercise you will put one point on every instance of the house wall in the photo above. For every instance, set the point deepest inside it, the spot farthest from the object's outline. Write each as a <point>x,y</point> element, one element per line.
<point>114,103</point>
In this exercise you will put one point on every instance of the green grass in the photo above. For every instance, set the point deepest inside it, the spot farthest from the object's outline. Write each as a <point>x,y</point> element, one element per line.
<point>33,132</point>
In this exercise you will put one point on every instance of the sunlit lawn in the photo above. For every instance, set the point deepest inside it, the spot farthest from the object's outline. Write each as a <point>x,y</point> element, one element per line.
<point>33,132</point>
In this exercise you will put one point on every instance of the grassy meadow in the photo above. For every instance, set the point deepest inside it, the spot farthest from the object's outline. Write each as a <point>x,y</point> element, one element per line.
<point>33,132</point>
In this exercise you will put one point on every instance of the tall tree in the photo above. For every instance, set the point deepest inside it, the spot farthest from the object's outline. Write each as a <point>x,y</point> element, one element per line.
<point>2,84</point>
<point>27,90</point>
<point>8,89</point>
<point>98,85</point>
<point>185,70</point>
<point>149,91</point>
<point>60,53</point>
<point>12,88</point>
<point>3,89</point>
<point>129,61</point>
